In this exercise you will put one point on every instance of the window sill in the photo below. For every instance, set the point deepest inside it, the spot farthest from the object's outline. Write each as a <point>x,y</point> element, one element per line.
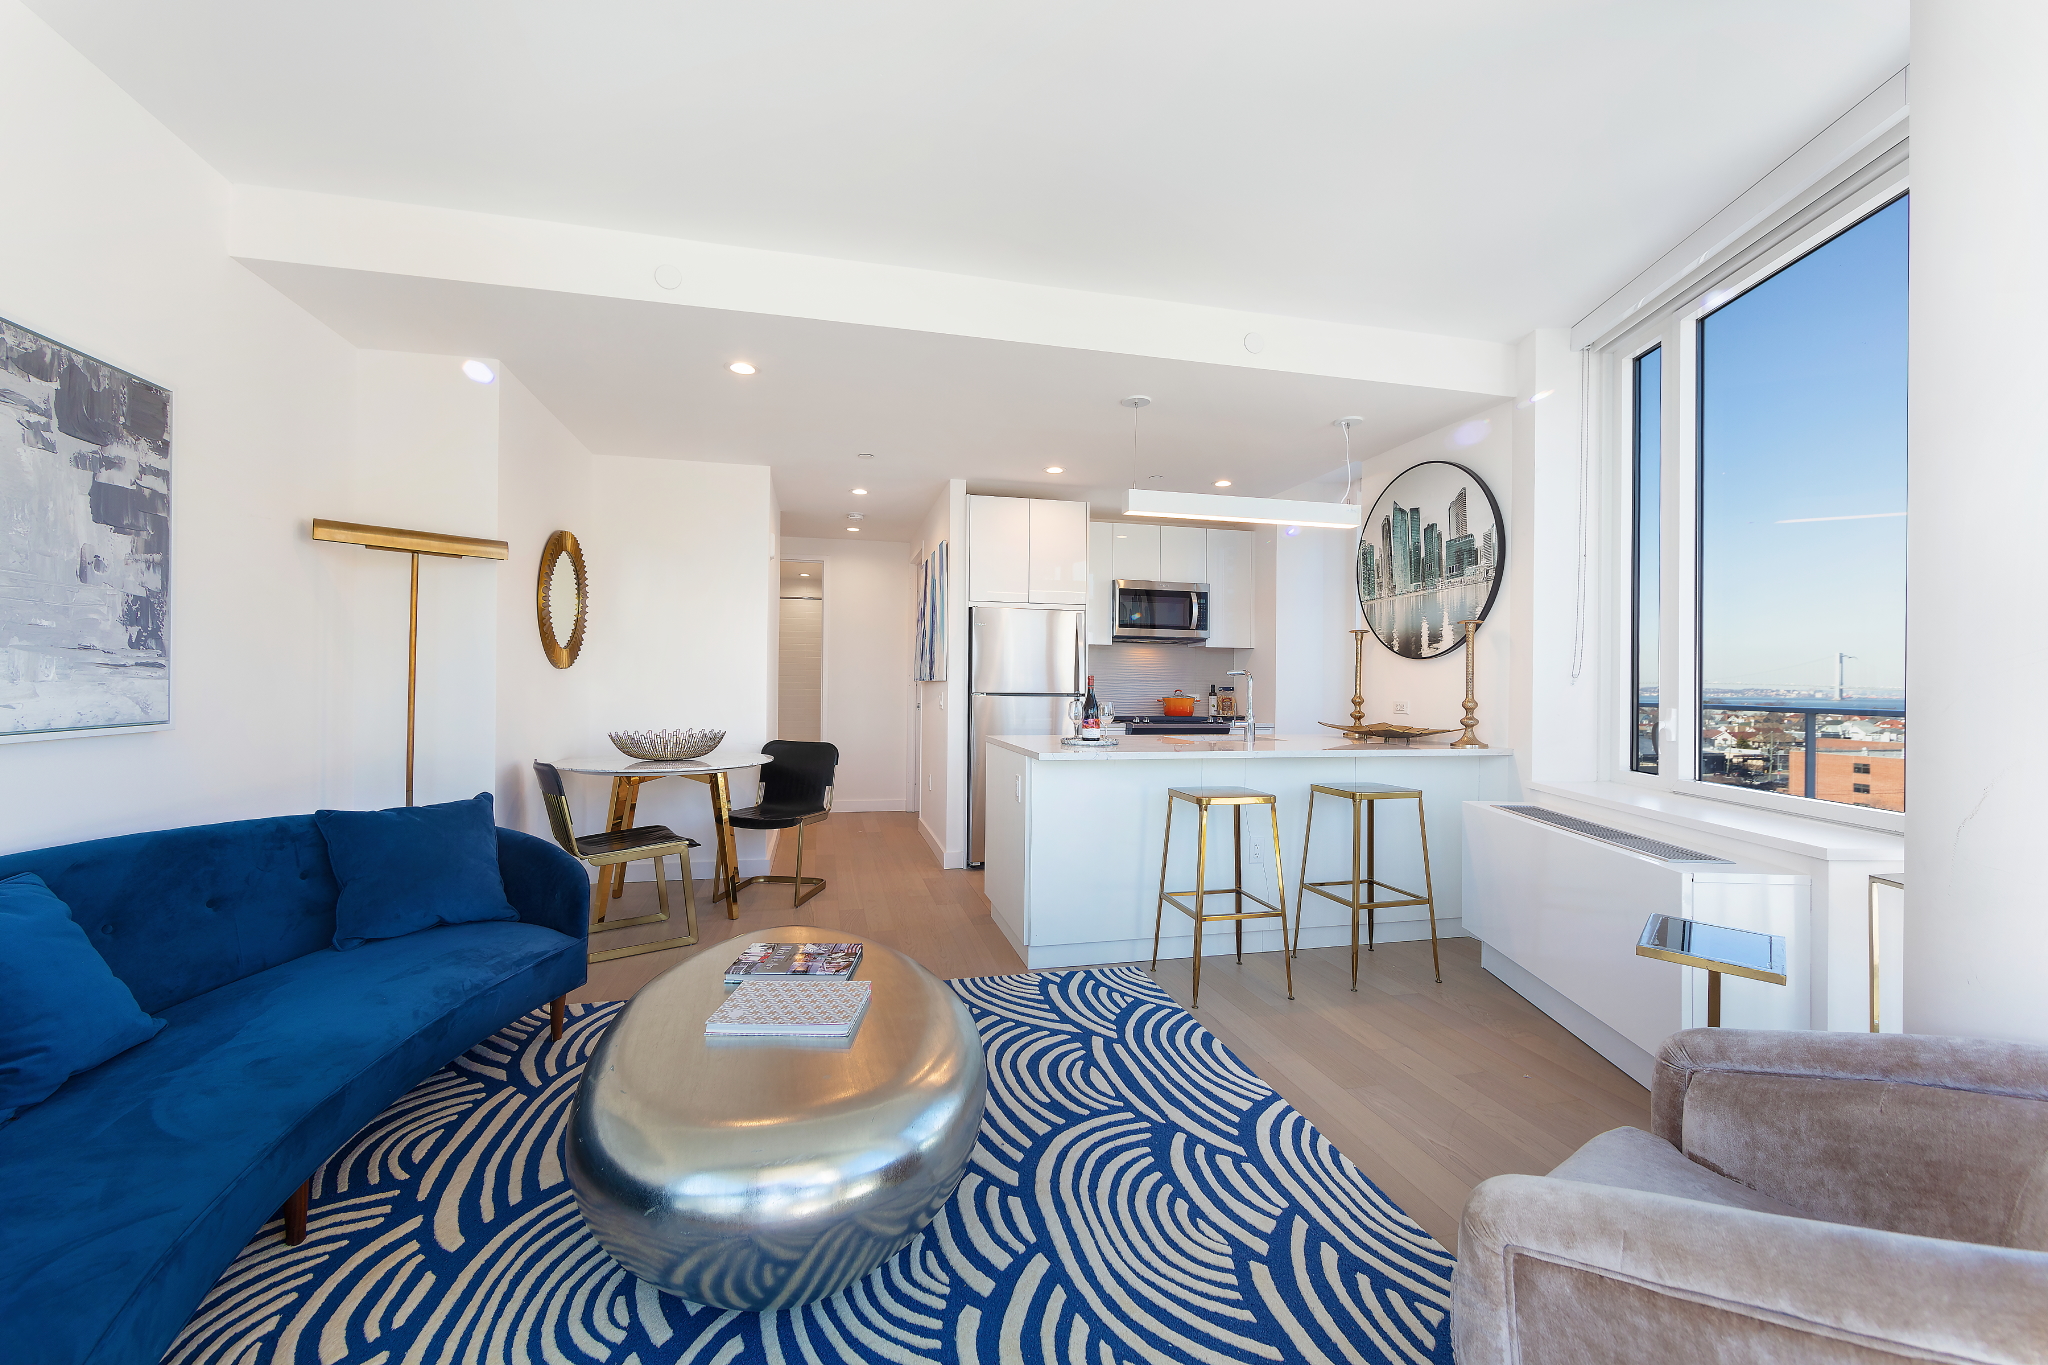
<point>1771,829</point>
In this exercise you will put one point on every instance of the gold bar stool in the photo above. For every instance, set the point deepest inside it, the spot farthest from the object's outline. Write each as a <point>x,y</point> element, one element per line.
<point>1203,799</point>
<point>1367,795</point>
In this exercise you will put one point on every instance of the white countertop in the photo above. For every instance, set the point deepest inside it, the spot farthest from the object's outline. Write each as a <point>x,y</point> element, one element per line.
<point>1049,748</point>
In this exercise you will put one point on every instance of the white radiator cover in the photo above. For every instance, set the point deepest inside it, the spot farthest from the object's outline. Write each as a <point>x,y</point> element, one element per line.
<point>1565,911</point>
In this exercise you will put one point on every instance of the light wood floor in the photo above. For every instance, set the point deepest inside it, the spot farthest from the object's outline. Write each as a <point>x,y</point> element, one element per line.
<point>1428,1089</point>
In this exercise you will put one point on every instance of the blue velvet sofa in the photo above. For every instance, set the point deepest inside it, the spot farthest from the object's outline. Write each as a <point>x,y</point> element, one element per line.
<point>125,1194</point>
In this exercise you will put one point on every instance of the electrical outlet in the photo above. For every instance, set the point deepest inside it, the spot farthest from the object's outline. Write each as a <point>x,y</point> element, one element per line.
<point>1400,708</point>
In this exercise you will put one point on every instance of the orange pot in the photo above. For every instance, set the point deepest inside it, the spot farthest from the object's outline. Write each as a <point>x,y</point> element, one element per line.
<point>1179,704</point>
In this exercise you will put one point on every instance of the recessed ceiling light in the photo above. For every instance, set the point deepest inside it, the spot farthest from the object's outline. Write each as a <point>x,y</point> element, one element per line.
<point>853,528</point>
<point>865,455</point>
<point>803,575</point>
<point>740,367</point>
<point>860,492</point>
<point>856,516</point>
<point>480,372</point>
<point>1223,483</point>
<point>1054,469</point>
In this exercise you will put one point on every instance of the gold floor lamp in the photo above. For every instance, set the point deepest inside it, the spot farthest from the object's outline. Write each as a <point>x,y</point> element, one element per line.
<point>414,543</point>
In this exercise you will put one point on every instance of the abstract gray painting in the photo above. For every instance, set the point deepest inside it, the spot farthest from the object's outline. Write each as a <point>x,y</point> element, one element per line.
<point>85,543</point>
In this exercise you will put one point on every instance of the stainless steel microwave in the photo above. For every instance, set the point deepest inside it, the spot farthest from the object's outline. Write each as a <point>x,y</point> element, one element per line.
<point>1160,613</point>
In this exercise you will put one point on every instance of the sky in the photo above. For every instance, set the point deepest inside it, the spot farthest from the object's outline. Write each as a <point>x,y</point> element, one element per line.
<point>1803,469</point>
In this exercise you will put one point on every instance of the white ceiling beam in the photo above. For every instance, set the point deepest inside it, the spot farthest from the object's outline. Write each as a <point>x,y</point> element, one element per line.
<point>304,228</point>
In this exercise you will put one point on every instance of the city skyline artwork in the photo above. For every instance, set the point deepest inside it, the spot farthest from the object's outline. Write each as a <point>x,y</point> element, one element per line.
<point>1429,557</point>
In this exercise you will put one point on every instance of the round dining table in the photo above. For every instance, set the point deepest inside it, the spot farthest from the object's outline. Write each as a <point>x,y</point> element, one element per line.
<point>628,775</point>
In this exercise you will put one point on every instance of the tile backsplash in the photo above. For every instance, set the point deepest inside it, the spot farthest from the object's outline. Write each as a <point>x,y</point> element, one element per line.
<point>1130,679</point>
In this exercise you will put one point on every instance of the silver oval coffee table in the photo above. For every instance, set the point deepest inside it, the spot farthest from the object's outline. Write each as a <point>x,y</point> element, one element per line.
<point>764,1173</point>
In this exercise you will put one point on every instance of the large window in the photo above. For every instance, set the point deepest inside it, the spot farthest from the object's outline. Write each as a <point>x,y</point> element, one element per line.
<point>1797,580</point>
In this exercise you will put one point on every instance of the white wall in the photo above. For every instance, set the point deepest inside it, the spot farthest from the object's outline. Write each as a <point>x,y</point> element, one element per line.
<point>942,713</point>
<point>1556,719</point>
<point>426,458</point>
<point>1435,688</point>
<point>261,443</point>
<point>1976,936</point>
<point>683,599</point>
<point>545,485</point>
<point>870,616</point>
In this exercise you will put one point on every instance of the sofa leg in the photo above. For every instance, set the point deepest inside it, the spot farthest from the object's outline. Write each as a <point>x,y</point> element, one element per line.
<point>294,1212</point>
<point>557,1008</point>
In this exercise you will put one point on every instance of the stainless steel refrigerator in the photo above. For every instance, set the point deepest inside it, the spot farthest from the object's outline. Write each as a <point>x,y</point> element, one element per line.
<point>1025,666</point>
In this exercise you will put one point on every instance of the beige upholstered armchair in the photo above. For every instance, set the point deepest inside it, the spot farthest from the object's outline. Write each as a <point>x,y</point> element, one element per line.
<point>1828,1197</point>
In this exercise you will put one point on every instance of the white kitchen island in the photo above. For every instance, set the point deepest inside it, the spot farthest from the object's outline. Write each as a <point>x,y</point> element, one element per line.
<point>1072,861</point>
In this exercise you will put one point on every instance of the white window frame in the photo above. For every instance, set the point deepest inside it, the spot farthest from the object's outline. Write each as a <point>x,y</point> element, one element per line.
<point>1847,199</point>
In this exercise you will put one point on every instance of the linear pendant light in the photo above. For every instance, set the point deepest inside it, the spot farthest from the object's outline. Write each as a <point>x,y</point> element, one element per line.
<point>1340,516</point>
<point>1158,502</point>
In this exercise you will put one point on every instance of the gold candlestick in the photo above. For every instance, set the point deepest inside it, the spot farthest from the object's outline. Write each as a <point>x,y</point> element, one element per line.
<point>1357,678</point>
<point>1358,731</point>
<point>1468,740</point>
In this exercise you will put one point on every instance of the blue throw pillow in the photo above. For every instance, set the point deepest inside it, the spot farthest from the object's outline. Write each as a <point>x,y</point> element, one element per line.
<point>412,868</point>
<point>62,1009</point>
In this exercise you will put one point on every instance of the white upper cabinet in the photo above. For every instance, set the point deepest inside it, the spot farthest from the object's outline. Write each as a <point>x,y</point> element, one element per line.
<point>1134,551</point>
<point>1027,550</point>
<point>1232,580</point>
<point>1174,554</point>
<point>998,549</point>
<point>1183,554</point>
<point>1101,586</point>
<point>1058,556</point>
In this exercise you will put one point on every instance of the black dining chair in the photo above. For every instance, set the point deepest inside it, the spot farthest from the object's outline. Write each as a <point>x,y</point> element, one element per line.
<point>795,791</point>
<point>623,846</point>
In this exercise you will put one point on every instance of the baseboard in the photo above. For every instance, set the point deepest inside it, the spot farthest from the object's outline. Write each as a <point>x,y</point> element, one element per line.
<point>955,858</point>
<point>868,803</point>
<point>1640,1065</point>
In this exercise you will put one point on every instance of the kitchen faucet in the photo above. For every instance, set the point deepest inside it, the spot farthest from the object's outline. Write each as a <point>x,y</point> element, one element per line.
<point>1251,723</point>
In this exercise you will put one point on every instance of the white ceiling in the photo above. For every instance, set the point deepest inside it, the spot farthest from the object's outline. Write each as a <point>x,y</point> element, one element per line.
<point>650,379</point>
<point>1474,169</point>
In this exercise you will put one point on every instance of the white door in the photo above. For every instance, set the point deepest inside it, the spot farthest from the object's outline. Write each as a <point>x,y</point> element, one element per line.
<point>1059,552</point>
<point>1134,551</point>
<point>998,549</point>
<point>1101,582</point>
<point>1183,554</point>
<point>1231,585</point>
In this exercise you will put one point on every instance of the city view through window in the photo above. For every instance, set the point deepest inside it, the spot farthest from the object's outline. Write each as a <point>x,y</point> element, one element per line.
<point>1802,525</point>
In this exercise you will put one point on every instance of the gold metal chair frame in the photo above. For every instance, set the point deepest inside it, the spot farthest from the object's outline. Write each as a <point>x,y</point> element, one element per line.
<point>1203,799</point>
<point>1367,795</point>
<point>799,881</point>
<point>611,880</point>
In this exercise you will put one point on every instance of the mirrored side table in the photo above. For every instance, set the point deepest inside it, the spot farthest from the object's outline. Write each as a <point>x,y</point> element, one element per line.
<point>1715,949</point>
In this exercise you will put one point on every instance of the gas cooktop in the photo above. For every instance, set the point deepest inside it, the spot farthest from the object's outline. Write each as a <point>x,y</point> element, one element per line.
<point>1174,725</point>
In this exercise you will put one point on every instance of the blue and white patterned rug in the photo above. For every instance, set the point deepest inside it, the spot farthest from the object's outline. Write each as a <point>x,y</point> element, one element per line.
<point>1138,1195</point>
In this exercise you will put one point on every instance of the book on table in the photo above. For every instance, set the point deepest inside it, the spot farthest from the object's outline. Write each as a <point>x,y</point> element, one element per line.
<point>790,1009</point>
<point>795,961</point>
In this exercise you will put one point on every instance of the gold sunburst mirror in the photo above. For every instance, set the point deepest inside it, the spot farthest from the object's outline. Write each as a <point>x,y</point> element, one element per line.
<point>563,599</point>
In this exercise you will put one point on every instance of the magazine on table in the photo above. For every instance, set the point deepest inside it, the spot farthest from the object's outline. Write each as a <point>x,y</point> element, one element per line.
<point>795,961</point>
<point>790,1009</point>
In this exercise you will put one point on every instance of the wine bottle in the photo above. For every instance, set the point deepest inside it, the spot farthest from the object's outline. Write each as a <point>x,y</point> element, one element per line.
<point>1212,701</point>
<point>1091,713</point>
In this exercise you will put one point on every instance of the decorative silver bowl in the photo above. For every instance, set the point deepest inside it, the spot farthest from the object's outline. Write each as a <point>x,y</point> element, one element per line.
<point>669,744</point>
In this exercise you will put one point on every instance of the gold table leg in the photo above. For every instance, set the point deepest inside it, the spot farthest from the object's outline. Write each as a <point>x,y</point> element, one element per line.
<point>725,880</point>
